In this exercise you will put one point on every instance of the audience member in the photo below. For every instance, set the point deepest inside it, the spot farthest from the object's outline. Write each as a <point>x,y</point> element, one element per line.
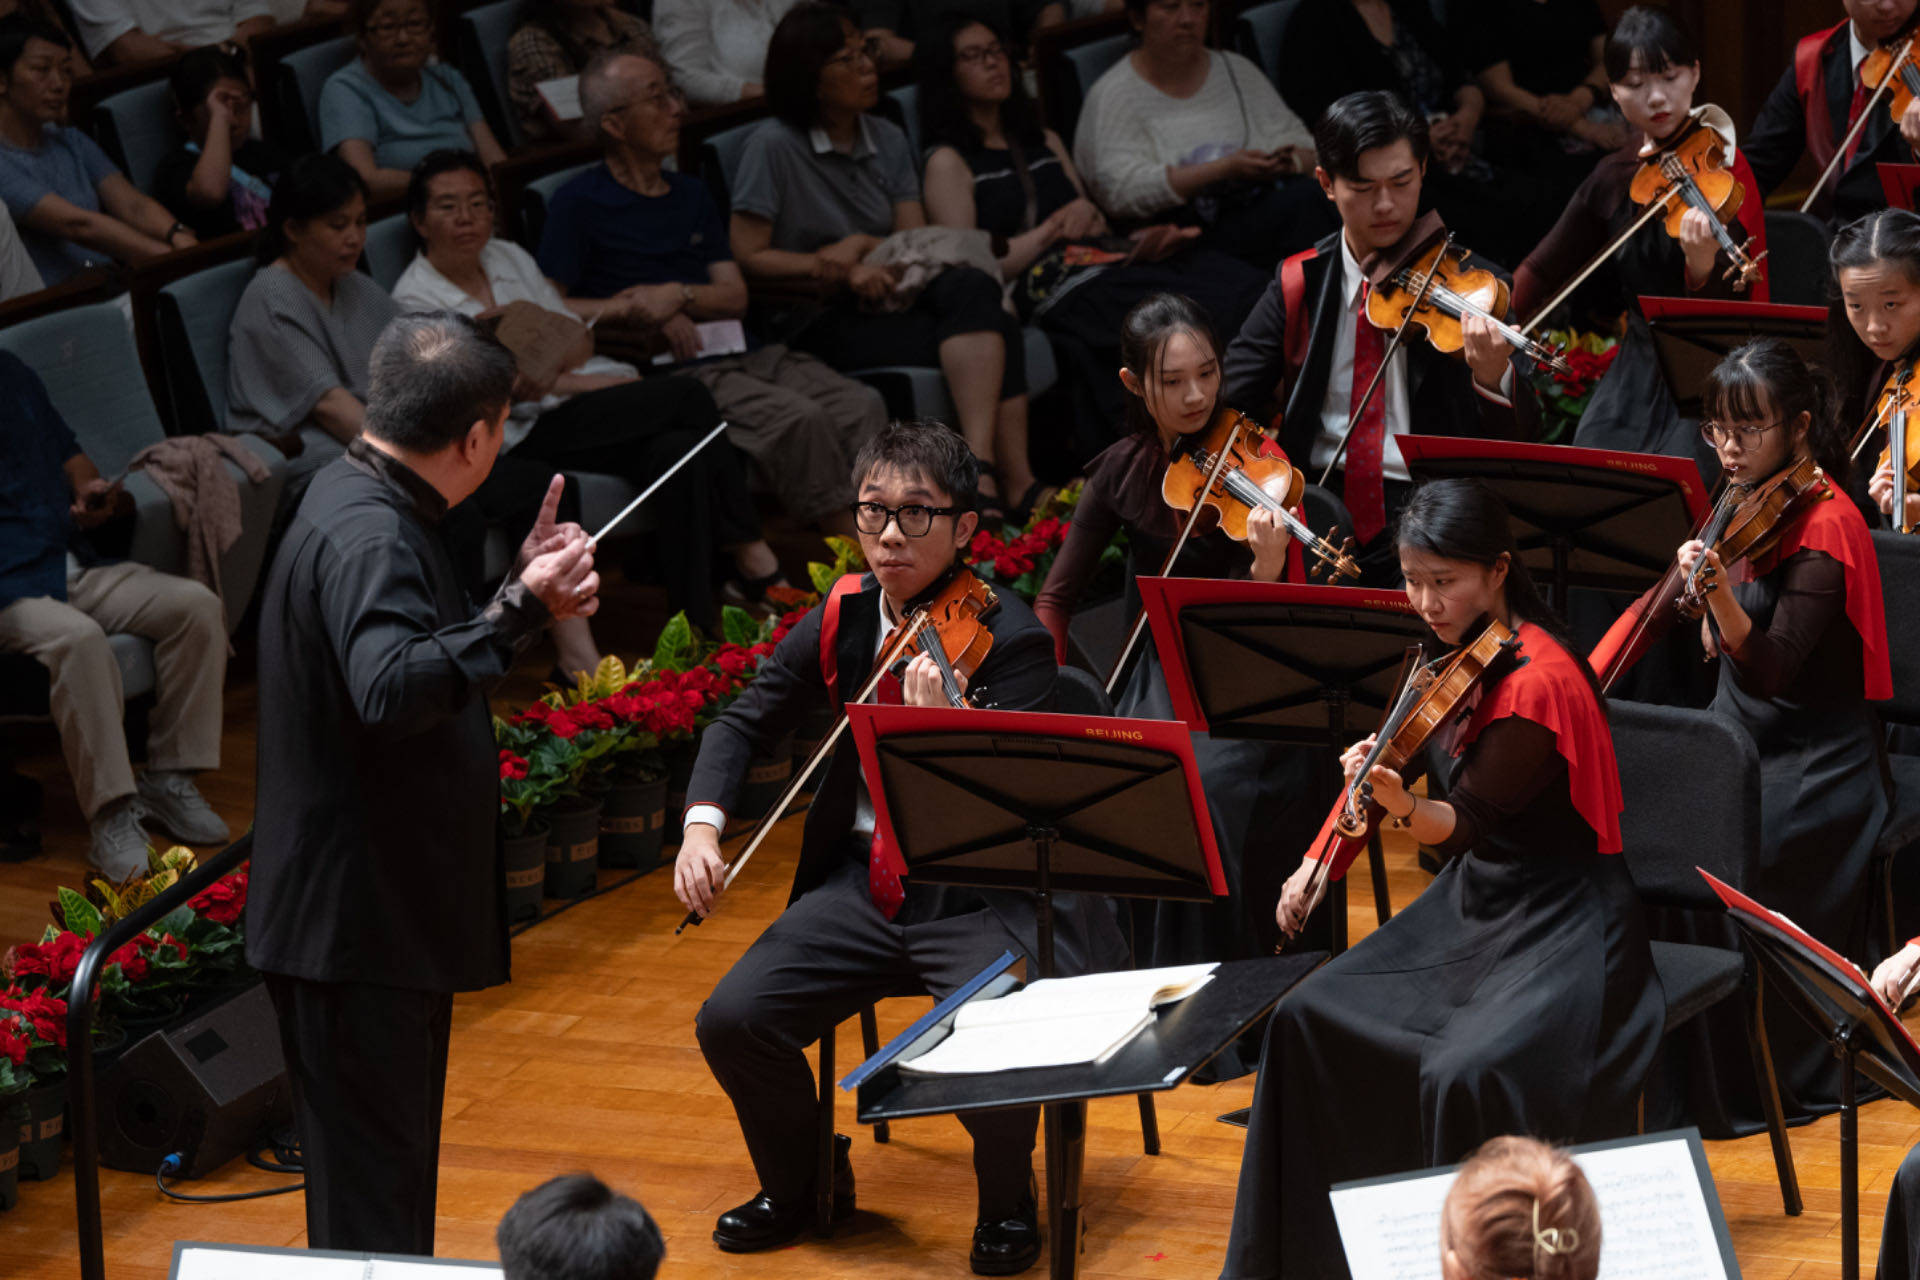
<point>895,28</point>
<point>218,182</point>
<point>823,185</point>
<point>556,39</point>
<point>384,111</point>
<point>631,230</point>
<point>59,600</point>
<point>717,49</point>
<point>1337,47</point>
<point>117,31</point>
<point>1539,64</point>
<point>1520,1210</point>
<point>1177,128</point>
<point>74,209</point>
<point>991,165</point>
<point>578,1228</point>
<point>598,415</point>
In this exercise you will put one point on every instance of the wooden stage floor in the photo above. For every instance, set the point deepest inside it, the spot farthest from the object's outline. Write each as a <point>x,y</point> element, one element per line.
<point>586,1061</point>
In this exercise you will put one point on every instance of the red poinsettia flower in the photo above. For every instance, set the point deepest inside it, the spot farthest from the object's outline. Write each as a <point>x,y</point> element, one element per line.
<point>563,723</point>
<point>133,965</point>
<point>46,1015</point>
<point>13,1047</point>
<point>512,767</point>
<point>224,900</point>
<point>737,663</point>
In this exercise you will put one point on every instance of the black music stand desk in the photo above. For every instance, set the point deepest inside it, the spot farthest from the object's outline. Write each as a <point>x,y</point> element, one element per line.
<point>1581,517</point>
<point>1044,804</point>
<point>1284,663</point>
<point>1692,335</point>
<point>1184,1038</point>
<point>1836,1000</point>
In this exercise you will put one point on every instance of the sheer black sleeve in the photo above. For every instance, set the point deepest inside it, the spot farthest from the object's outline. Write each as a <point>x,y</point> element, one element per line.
<point>1511,763</point>
<point>1813,592</point>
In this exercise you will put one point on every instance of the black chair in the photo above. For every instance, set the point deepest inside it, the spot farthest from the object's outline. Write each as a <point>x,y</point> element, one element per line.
<point>1796,258</point>
<point>823,1178</point>
<point>1899,557</point>
<point>1691,780</point>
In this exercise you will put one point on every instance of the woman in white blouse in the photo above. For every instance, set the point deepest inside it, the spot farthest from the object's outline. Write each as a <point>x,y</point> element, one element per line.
<point>1176,127</point>
<point>598,414</point>
<point>717,49</point>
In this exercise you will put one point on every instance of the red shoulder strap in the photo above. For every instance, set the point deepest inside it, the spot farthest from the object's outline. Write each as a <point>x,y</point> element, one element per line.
<point>1810,82</point>
<point>1293,297</point>
<point>830,635</point>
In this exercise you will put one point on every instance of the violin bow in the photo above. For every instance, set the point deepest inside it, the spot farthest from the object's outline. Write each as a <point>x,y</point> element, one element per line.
<point>1393,345</point>
<point>1866,114</point>
<point>1882,414</point>
<point>1186,531</point>
<point>1655,206</point>
<point>910,631</point>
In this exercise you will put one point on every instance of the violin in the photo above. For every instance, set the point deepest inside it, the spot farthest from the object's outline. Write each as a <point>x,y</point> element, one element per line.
<point>1432,695</point>
<point>1746,523</point>
<point>1893,413</point>
<point>1252,474</point>
<point>1694,171</point>
<point>1892,73</point>
<point>1437,290</point>
<point>951,628</point>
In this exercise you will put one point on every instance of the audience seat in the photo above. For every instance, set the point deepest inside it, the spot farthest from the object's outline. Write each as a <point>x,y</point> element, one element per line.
<point>911,391</point>
<point>87,359</point>
<point>1070,73</point>
<point>1257,33</point>
<point>137,129</point>
<point>390,247</point>
<point>480,52</point>
<point>192,316</point>
<point>297,83</point>
<point>905,101</point>
<point>534,198</point>
<point>1796,258</point>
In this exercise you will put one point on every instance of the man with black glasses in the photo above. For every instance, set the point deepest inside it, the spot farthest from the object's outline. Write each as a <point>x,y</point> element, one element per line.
<point>854,930</point>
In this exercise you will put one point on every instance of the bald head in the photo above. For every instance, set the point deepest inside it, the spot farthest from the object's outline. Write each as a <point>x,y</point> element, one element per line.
<point>431,378</point>
<point>628,102</point>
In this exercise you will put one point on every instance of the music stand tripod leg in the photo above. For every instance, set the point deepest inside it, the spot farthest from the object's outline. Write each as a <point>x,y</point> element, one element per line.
<point>1849,1159</point>
<point>1065,1123</point>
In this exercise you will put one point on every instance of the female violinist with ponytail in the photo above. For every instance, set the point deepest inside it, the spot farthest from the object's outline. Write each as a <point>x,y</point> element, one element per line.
<point>1516,994</point>
<point>1801,639</point>
<point>1873,335</point>
<point>1263,797</point>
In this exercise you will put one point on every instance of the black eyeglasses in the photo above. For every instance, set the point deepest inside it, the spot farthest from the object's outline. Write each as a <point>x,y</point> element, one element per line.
<point>980,53</point>
<point>915,520</point>
<point>1750,437</point>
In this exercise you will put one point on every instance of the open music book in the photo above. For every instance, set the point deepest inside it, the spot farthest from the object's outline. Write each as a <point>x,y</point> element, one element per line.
<point>193,1260</point>
<point>1058,1022</point>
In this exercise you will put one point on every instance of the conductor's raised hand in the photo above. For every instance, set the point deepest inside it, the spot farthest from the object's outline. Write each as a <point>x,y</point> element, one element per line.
<point>564,579</point>
<point>1299,896</point>
<point>548,532</point>
<point>699,873</point>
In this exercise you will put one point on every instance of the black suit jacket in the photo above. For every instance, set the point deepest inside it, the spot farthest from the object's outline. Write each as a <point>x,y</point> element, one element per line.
<point>1017,675</point>
<point>1440,389</point>
<point>1779,136</point>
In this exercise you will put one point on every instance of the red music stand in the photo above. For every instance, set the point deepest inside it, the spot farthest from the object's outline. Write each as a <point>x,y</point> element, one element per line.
<point>1900,182</point>
<point>1692,335</point>
<point>1833,995</point>
<point>1582,517</point>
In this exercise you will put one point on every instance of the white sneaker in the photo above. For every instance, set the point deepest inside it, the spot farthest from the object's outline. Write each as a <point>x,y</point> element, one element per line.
<point>119,847</point>
<point>171,802</point>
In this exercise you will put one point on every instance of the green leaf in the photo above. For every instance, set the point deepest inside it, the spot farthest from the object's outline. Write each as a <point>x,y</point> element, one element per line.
<point>737,626</point>
<point>81,916</point>
<point>673,651</point>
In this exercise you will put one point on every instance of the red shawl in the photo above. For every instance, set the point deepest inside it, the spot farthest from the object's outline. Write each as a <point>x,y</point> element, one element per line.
<point>1835,526</point>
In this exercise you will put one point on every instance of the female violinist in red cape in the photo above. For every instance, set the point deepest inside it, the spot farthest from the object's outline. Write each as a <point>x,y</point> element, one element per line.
<point>1801,639</point>
<point>1516,994</point>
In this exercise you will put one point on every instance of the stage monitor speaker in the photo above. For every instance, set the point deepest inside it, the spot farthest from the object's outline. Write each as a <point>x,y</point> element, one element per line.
<point>209,1089</point>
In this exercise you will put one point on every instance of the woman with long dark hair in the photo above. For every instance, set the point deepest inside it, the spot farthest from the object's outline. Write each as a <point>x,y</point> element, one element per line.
<point>1516,994</point>
<point>991,165</point>
<point>1873,328</point>
<point>1802,648</point>
<point>1262,796</point>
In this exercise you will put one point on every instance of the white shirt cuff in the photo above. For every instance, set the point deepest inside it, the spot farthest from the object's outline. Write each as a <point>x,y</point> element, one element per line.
<point>711,814</point>
<point>1503,397</point>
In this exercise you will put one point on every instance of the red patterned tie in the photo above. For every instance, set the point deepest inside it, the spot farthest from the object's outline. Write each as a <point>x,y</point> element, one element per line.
<point>883,861</point>
<point>1365,488</point>
<point>1853,112</point>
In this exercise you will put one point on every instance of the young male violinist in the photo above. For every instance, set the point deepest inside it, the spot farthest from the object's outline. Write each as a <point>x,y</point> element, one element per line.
<point>853,931</point>
<point>1817,100</point>
<point>1308,346</point>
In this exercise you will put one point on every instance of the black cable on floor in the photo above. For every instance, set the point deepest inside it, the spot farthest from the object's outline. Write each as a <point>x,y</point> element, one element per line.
<point>172,1163</point>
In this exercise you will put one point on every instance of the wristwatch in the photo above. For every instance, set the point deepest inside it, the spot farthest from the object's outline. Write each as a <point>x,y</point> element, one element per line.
<point>686,293</point>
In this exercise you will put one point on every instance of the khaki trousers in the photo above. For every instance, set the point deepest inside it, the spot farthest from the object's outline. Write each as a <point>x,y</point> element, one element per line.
<point>189,633</point>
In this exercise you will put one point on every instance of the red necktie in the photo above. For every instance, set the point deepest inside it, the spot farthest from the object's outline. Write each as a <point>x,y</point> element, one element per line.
<point>884,870</point>
<point>1853,112</point>
<point>1365,487</point>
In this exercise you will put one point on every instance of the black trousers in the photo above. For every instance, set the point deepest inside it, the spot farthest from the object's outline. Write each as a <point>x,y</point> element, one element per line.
<point>958,300</point>
<point>369,1071</point>
<point>828,956</point>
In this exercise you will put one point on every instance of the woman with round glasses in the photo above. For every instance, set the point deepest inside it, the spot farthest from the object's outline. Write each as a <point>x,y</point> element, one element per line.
<point>1801,640</point>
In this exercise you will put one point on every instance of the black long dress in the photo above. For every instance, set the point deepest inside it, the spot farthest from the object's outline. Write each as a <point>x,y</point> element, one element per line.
<point>1266,799</point>
<point>1800,686</point>
<point>1516,994</point>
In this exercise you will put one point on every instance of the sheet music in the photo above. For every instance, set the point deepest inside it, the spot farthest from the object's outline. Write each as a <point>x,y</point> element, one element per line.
<point>562,97</point>
<point>717,338</point>
<point>1654,1219</point>
<point>293,1264</point>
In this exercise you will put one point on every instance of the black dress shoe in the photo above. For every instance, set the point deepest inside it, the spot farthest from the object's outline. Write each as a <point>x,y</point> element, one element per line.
<point>763,1223</point>
<point>1008,1246</point>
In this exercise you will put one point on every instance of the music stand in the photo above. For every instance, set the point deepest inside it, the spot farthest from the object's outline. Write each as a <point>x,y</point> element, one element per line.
<point>1834,997</point>
<point>1043,803</point>
<point>1692,335</point>
<point>1593,518</point>
<point>1899,181</point>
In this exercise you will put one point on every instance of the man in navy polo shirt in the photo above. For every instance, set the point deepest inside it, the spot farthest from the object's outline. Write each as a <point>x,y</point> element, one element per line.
<point>629,226</point>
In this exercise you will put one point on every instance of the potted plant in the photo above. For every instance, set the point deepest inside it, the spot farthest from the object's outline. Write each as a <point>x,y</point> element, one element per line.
<point>530,781</point>
<point>15,1079</point>
<point>41,1020</point>
<point>1565,396</point>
